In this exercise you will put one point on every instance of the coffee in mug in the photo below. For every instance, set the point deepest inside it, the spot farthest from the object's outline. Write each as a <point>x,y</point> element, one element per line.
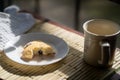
<point>100,42</point>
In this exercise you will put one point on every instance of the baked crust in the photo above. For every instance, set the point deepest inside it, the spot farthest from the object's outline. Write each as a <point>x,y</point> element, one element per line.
<point>36,48</point>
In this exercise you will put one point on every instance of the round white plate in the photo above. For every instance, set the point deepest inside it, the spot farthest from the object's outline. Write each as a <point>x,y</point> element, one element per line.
<point>13,49</point>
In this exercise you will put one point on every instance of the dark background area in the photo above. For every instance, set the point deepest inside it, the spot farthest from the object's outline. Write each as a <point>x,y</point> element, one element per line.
<point>64,11</point>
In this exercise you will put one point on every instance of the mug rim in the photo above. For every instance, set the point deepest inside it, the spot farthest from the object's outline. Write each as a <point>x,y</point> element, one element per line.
<point>85,28</point>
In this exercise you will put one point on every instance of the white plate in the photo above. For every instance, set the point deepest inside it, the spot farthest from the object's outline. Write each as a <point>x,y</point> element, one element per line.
<point>14,48</point>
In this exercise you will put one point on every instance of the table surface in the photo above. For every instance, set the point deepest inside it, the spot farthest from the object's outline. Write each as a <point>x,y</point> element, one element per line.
<point>72,67</point>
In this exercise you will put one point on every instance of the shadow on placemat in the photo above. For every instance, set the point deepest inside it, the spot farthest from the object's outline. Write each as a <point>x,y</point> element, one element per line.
<point>72,67</point>
<point>25,70</point>
<point>88,72</point>
<point>115,76</point>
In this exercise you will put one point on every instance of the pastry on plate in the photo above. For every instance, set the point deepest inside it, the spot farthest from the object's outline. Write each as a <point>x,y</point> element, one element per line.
<point>36,48</point>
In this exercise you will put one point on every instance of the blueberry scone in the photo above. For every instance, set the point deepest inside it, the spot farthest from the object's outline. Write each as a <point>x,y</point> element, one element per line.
<point>37,48</point>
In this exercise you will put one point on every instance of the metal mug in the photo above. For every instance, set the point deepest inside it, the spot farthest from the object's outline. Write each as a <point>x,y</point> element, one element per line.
<point>100,42</point>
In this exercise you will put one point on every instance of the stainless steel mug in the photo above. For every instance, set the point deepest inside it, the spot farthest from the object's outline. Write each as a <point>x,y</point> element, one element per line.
<point>100,42</point>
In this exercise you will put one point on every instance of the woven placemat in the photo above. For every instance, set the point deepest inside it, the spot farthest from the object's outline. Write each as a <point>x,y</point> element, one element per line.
<point>71,67</point>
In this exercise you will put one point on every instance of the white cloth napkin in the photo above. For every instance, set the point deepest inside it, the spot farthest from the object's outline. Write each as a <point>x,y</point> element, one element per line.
<point>13,24</point>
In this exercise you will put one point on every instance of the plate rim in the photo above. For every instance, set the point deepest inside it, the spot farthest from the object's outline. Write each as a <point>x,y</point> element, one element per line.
<point>65,54</point>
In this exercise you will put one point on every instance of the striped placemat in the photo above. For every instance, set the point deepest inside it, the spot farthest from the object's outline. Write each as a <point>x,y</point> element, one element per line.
<point>72,67</point>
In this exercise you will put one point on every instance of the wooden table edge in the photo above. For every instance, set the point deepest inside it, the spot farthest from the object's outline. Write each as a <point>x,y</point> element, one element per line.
<point>53,22</point>
<point>59,25</point>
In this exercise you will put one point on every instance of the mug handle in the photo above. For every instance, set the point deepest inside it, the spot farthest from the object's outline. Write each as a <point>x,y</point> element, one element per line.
<point>105,53</point>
